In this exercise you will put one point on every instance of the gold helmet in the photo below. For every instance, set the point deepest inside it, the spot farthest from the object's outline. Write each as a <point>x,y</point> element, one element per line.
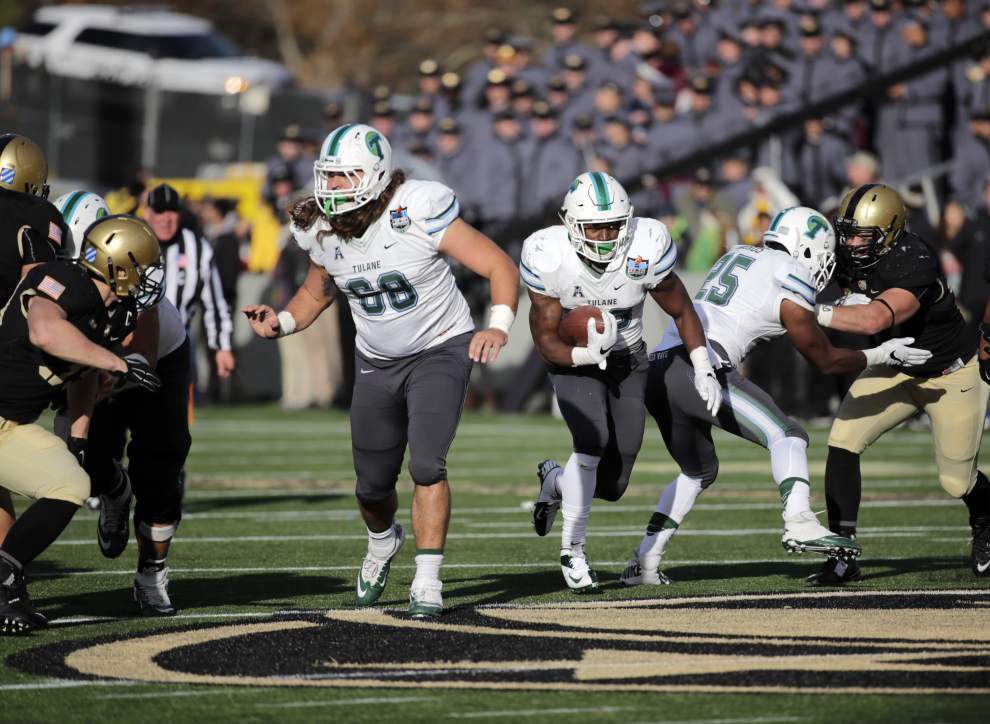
<point>123,252</point>
<point>23,167</point>
<point>873,211</point>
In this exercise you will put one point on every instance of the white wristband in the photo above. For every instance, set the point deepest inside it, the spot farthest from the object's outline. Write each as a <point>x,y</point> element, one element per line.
<point>823,312</point>
<point>286,323</point>
<point>700,360</point>
<point>501,317</point>
<point>581,356</point>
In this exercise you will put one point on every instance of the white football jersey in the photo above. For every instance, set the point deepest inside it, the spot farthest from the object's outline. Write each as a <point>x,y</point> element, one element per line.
<point>739,301</point>
<point>402,294</point>
<point>550,266</point>
<point>171,329</point>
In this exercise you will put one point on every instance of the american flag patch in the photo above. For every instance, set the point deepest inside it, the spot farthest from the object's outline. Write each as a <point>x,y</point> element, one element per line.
<point>54,232</point>
<point>51,287</point>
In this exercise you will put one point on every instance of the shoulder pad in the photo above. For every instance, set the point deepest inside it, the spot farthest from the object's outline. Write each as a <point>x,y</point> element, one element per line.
<point>430,205</point>
<point>306,238</point>
<point>651,242</point>
<point>794,277</point>
<point>541,251</point>
<point>911,261</point>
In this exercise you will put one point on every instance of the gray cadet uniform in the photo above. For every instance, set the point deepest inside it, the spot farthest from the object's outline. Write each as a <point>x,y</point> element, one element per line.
<point>413,330</point>
<point>739,306</point>
<point>603,409</point>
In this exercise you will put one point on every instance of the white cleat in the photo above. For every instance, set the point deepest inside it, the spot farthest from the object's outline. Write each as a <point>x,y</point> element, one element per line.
<point>577,574</point>
<point>425,599</point>
<point>635,574</point>
<point>151,593</point>
<point>803,533</point>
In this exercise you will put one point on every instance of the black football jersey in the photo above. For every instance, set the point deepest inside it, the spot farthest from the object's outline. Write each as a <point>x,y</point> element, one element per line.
<point>31,231</point>
<point>31,379</point>
<point>937,326</point>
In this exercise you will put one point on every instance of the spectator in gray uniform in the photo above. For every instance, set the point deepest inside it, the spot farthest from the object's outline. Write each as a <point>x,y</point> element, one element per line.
<point>821,164</point>
<point>554,162</point>
<point>501,177</point>
<point>420,125</point>
<point>971,86</point>
<point>458,165</point>
<point>582,96</point>
<point>909,122</point>
<point>475,77</point>
<point>972,159</point>
<point>557,94</point>
<point>874,45</point>
<point>850,16</point>
<point>813,71</point>
<point>671,135</point>
<point>431,87</point>
<point>288,155</point>
<point>523,99</point>
<point>623,159</point>
<point>695,39</point>
<point>732,64</point>
<point>849,71</point>
<point>563,29</point>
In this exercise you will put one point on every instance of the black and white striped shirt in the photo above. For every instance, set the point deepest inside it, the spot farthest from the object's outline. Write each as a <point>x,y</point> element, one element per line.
<point>191,278</point>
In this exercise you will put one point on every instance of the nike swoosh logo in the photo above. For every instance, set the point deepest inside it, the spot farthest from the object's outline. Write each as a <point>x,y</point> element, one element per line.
<point>576,580</point>
<point>966,390</point>
<point>104,542</point>
<point>366,372</point>
<point>620,286</point>
<point>360,590</point>
<point>389,246</point>
<point>982,567</point>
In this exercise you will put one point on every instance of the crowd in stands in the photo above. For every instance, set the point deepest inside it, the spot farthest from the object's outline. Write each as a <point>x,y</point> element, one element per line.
<point>510,130</point>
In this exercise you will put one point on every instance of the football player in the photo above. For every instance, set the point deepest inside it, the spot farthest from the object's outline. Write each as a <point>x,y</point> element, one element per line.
<point>898,289</point>
<point>158,423</point>
<point>751,294</point>
<point>383,242</point>
<point>53,328</point>
<point>602,256</point>
<point>31,230</point>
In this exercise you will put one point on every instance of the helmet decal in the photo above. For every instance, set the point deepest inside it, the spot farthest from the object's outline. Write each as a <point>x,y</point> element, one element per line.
<point>602,198</point>
<point>374,144</point>
<point>331,145</point>
<point>815,225</point>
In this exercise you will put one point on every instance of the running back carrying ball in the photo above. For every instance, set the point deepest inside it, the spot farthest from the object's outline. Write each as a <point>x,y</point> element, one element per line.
<point>573,327</point>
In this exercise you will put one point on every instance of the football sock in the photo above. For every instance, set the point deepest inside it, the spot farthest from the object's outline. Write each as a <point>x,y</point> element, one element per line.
<point>577,488</point>
<point>675,503</point>
<point>428,562</point>
<point>789,463</point>
<point>151,565</point>
<point>381,545</point>
<point>978,501</point>
<point>37,528</point>
<point>843,489</point>
<point>10,569</point>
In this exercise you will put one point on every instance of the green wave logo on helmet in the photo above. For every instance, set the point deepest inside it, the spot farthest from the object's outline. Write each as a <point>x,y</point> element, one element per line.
<point>816,224</point>
<point>374,143</point>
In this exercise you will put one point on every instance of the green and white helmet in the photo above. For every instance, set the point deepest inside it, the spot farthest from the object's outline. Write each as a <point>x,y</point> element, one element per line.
<point>364,156</point>
<point>80,209</point>
<point>596,198</point>
<point>808,237</point>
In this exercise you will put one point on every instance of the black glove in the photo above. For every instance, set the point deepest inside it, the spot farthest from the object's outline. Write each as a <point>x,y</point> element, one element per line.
<point>77,446</point>
<point>138,374</point>
<point>984,363</point>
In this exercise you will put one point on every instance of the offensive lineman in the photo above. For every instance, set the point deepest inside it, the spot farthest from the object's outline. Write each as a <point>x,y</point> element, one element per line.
<point>52,328</point>
<point>898,288</point>
<point>382,241</point>
<point>158,423</point>
<point>751,294</point>
<point>603,256</point>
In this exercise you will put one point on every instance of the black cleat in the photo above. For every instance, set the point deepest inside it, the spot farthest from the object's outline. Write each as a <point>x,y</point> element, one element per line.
<point>545,509</point>
<point>112,529</point>
<point>14,620</point>
<point>980,553</point>
<point>26,605</point>
<point>836,572</point>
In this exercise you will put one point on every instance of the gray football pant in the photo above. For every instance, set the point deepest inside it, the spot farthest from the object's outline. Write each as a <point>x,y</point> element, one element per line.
<point>415,400</point>
<point>686,425</point>
<point>604,412</point>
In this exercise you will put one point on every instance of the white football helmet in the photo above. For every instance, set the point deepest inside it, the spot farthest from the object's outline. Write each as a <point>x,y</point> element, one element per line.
<point>596,198</point>
<point>349,149</point>
<point>80,209</point>
<point>808,237</point>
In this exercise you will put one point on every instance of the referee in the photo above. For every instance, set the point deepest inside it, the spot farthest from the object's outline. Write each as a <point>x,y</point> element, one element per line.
<point>191,276</point>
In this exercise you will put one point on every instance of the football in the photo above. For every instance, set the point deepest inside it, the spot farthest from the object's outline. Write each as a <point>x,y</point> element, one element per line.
<point>573,327</point>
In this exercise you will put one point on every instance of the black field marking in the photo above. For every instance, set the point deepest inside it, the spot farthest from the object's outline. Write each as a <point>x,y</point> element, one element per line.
<point>891,643</point>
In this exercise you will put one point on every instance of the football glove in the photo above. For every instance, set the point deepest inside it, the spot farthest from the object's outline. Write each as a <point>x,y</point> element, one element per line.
<point>138,374</point>
<point>599,343</point>
<point>897,352</point>
<point>77,446</point>
<point>984,363</point>
<point>705,381</point>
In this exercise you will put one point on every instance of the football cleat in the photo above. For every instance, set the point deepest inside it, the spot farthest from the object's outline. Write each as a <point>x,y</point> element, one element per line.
<point>836,572</point>
<point>577,574</point>
<point>112,529</point>
<point>636,575</point>
<point>980,553</point>
<point>373,576</point>
<point>425,601</point>
<point>26,606</point>
<point>546,507</point>
<point>14,619</point>
<point>151,593</point>
<point>803,533</point>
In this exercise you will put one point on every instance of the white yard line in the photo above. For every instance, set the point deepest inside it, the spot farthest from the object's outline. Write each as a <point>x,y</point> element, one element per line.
<point>540,712</point>
<point>345,702</point>
<point>63,684</point>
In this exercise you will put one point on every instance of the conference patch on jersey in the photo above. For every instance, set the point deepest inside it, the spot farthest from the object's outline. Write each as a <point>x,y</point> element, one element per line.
<point>636,267</point>
<point>399,218</point>
<point>51,287</point>
<point>876,642</point>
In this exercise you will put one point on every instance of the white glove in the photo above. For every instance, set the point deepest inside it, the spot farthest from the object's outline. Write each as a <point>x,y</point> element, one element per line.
<point>851,299</point>
<point>705,381</point>
<point>897,353</point>
<point>599,343</point>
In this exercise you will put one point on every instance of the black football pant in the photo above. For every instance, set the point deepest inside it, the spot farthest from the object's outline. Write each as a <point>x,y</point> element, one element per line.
<point>158,423</point>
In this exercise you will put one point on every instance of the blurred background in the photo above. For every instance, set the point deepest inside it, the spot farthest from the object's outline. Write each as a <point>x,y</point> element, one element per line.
<point>715,114</point>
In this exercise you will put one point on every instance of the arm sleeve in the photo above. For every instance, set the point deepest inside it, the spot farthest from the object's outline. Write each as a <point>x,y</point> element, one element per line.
<point>216,312</point>
<point>432,207</point>
<point>795,286</point>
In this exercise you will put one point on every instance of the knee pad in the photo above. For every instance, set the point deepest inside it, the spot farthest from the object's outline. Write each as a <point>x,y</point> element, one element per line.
<point>706,473</point>
<point>844,436</point>
<point>72,488</point>
<point>427,472</point>
<point>956,482</point>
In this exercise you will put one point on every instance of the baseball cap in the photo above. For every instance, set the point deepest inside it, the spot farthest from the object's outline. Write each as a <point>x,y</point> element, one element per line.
<point>163,198</point>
